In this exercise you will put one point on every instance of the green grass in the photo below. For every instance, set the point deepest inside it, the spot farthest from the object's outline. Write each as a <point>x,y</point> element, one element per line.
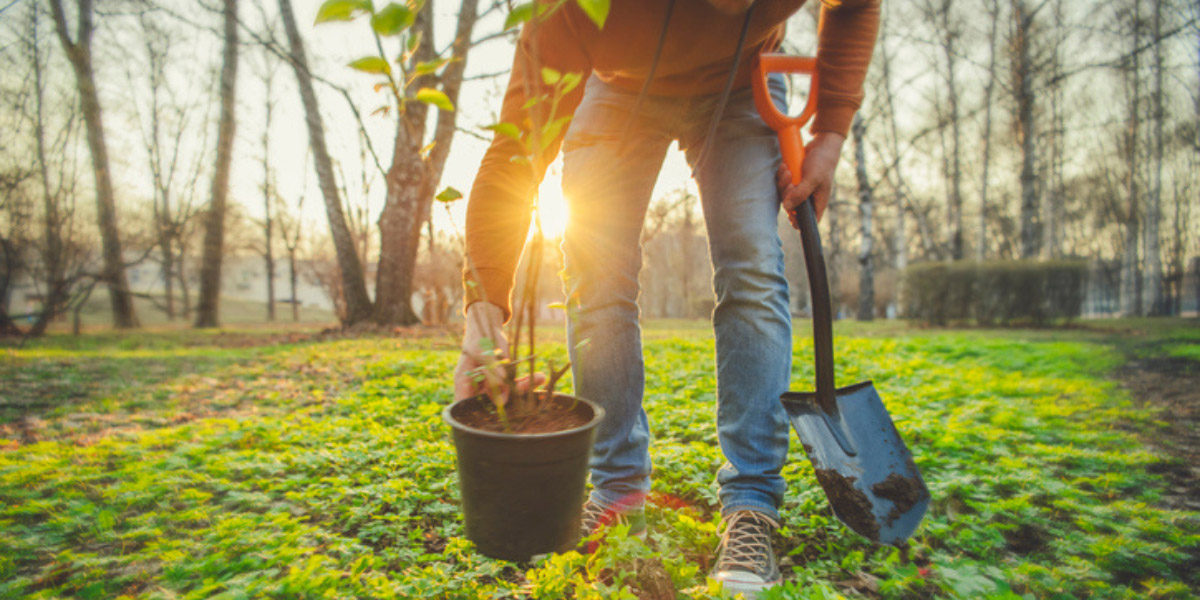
<point>181,464</point>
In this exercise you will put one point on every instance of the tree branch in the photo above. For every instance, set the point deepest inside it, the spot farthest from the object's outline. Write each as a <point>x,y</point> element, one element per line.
<point>488,75</point>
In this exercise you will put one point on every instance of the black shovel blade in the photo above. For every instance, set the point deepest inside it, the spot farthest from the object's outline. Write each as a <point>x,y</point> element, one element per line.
<point>864,467</point>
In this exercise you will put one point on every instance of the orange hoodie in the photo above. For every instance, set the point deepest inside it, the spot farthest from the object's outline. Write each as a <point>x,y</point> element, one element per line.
<point>696,58</point>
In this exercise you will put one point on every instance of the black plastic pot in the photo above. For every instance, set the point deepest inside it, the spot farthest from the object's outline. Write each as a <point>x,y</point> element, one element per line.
<point>522,493</point>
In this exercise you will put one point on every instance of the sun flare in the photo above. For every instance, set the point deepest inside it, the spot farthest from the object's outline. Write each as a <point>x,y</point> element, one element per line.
<point>553,207</point>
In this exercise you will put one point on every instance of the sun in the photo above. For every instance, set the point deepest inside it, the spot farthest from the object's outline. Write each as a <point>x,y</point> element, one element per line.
<point>553,207</point>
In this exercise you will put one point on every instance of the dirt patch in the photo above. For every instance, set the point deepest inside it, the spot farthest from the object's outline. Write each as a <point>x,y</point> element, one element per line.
<point>852,506</point>
<point>904,492</point>
<point>1173,385</point>
<point>653,581</point>
<point>1025,539</point>
<point>560,415</point>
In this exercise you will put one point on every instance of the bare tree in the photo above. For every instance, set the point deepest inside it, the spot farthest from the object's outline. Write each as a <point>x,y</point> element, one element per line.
<point>357,302</point>
<point>267,75</point>
<point>1054,199</point>
<point>948,34</point>
<point>1154,270</point>
<point>988,90</point>
<point>1023,67</point>
<point>414,173</point>
<point>13,242</point>
<point>214,229</point>
<point>79,53</point>
<point>866,264</point>
<point>165,127</point>
<point>56,262</point>
<point>1131,297</point>
<point>291,228</point>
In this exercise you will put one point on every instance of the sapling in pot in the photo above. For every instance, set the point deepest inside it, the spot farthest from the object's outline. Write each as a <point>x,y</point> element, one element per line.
<point>522,447</point>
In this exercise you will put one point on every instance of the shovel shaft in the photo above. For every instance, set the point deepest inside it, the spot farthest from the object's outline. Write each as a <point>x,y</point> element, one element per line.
<point>791,146</point>
<point>822,318</point>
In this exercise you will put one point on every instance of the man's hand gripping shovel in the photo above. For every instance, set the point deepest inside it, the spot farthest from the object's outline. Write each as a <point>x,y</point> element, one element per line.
<point>864,467</point>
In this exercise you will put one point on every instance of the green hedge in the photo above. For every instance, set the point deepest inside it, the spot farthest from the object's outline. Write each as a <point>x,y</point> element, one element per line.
<point>995,292</point>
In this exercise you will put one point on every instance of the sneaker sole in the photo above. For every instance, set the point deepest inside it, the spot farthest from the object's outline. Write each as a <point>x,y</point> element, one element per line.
<point>749,589</point>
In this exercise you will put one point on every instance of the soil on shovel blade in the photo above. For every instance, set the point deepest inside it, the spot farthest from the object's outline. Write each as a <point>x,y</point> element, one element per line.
<point>560,414</point>
<point>853,506</point>
<point>904,492</point>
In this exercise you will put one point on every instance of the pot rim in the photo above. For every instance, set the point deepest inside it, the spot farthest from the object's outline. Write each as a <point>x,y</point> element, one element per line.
<point>597,415</point>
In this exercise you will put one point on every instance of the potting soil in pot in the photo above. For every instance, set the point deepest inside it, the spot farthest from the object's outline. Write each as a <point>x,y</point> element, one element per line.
<point>550,416</point>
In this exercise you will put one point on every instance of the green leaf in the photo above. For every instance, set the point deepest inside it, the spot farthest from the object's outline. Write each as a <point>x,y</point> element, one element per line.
<point>341,10</point>
<point>436,98</point>
<point>507,130</point>
<point>392,19</point>
<point>558,305</point>
<point>372,64</point>
<point>570,81</point>
<point>597,10</point>
<point>519,15</point>
<point>550,76</point>
<point>551,130</point>
<point>429,67</point>
<point>414,40</point>
<point>448,195</point>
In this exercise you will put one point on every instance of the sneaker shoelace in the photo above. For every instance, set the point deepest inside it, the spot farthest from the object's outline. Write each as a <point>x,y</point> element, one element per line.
<point>746,543</point>
<point>594,516</point>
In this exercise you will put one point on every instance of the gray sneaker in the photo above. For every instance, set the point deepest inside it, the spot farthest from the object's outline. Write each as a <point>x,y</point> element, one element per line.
<point>596,518</point>
<point>746,564</point>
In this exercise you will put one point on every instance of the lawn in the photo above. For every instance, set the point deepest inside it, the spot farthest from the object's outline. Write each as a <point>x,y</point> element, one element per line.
<point>254,463</point>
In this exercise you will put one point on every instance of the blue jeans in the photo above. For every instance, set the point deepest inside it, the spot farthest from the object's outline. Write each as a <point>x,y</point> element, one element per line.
<point>607,180</point>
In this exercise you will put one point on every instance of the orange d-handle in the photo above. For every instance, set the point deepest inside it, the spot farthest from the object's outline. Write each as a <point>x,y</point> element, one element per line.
<point>787,128</point>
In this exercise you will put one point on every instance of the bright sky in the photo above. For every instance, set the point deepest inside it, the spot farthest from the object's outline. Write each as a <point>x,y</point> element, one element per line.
<point>192,70</point>
<point>333,45</point>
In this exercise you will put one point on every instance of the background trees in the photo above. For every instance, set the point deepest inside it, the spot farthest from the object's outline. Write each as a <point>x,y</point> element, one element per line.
<point>991,130</point>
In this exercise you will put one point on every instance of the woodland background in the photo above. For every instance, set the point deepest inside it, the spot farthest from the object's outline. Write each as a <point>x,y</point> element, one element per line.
<point>147,143</point>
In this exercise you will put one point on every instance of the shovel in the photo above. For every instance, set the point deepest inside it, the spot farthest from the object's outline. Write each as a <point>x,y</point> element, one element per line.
<point>864,467</point>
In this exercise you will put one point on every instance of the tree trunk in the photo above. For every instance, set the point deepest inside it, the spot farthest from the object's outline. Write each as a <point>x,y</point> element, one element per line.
<point>292,281</point>
<point>80,55</point>
<point>981,249</point>
<point>901,237</point>
<point>1130,276</point>
<point>948,47</point>
<point>1184,199</point>
<point>268,222</point>
<point>53,258</point>
<point>411,181</point>
<point>1052,204</point>
<point>400,224</point>
<point>185,294</point>
<point>9,264</point>
<point>164,243</point>
<point>354,287</point>
<point>866,273</point>
<point>1026,128</point>
<point>1154,272</point>
<point>214,227</point>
